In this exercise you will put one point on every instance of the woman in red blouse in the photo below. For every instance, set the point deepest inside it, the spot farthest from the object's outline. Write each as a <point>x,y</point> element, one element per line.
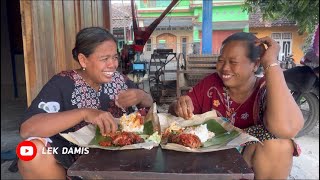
<point>263,107</point>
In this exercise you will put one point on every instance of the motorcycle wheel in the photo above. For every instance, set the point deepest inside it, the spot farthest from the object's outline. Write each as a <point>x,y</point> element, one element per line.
<point>309,106</point>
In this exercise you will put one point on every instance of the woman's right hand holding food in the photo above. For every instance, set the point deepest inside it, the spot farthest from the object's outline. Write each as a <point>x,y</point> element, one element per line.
<point>104,120</point>
<point>184,107</point>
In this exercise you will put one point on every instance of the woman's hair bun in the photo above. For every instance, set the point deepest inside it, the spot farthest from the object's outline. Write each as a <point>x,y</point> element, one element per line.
<point>75,54</point>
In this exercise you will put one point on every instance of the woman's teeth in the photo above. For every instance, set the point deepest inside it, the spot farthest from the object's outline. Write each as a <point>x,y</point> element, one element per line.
<point>108,73</point>
<point>226,76</point>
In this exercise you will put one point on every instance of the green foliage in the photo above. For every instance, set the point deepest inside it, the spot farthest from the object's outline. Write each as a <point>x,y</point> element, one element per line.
<point>308,41</point>
<point>304,12</point>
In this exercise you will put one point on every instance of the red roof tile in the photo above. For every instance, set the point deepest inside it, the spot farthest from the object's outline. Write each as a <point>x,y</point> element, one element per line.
<point>256,20</point>
<point>121,15</point>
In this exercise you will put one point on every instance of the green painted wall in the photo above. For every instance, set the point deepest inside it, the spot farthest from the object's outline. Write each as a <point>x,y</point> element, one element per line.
<point>226,13</point>
<point>162,4</point>
<point>195,32</point>
<point>219,13</point>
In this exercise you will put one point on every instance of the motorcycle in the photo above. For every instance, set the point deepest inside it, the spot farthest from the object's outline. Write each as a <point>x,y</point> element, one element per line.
<point>303,82</point>
<point>288,62</point>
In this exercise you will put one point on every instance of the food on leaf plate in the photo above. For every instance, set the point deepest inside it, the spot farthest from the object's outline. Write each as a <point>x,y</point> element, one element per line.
<point>193,136</point>
<point>121,139</point>
<point>132,122</point>
<point>130,126</point>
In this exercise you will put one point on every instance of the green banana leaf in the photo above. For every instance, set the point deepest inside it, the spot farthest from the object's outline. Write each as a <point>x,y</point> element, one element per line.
<point>225,133</point>
<point>221,137</point>
<point>148,128</point>
<point>215,127</point>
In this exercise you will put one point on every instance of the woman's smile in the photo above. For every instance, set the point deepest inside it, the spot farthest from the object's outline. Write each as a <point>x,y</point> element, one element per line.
<point>226,76</point>
<point>108,74</point>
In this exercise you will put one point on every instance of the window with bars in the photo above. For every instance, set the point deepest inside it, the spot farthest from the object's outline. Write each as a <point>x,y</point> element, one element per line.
<point>120,44</point>
<point>285,41</point>
<point>184,45</point>
<point>148,45</point>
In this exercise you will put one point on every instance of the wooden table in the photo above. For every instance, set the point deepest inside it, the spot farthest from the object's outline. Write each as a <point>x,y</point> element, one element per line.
<point>163,164</point>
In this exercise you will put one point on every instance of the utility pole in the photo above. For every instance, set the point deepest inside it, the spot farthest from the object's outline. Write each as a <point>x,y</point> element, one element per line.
<point>124,34</point>
<point>206,26</point>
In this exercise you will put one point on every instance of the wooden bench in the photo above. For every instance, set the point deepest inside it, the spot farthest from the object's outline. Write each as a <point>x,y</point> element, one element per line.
<point>192,69</point>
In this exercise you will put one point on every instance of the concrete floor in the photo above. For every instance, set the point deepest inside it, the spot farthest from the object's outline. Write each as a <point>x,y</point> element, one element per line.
<point>11,113</point>
<point>304,167</point>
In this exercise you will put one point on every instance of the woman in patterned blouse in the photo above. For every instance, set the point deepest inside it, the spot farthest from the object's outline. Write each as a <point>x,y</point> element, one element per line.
<point>263,107</point>
<point>94,94</point>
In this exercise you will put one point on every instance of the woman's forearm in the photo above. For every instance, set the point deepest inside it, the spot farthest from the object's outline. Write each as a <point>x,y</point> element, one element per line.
<point>49,124</point>
<point>283,117</point>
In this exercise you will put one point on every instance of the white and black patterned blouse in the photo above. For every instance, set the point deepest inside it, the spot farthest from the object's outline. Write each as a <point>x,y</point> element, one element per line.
<point>68,90</point>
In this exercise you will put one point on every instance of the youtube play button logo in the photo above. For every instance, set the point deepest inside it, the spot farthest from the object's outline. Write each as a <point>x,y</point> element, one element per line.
<point>26,150</point>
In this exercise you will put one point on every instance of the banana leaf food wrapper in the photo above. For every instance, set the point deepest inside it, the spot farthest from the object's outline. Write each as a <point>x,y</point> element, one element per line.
<point>135,131</point>
<point>202,133</point>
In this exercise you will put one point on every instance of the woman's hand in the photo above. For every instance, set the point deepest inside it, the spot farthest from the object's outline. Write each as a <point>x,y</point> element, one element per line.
<point>184,107</point>
<point>271,53</point>
<point>104,120</point>
<point>133,97</point>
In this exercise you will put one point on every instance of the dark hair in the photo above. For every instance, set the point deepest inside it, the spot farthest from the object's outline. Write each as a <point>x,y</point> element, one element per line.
<point>253,50</point>
<point>88,39</point>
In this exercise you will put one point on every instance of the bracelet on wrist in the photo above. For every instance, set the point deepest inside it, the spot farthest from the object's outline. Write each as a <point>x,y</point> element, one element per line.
<point>269,66</point>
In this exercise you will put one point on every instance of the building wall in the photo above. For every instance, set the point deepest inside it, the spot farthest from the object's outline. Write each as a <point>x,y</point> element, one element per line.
<point>231,13</point>
<point>160,4</point>
<point>297,40</point>
<point>226,13</point>
<point>217,38</point>
<point>219,13</point>
<point>178,33</point>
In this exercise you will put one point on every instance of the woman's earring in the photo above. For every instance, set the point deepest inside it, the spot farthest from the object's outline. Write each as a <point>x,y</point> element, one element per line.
<point>83,69</point>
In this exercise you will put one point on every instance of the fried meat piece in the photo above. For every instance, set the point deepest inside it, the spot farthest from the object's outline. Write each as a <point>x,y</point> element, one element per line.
<point>189,140</point>
<point>122,139</point>
<point>105,143</point>
<point>126,138</point>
